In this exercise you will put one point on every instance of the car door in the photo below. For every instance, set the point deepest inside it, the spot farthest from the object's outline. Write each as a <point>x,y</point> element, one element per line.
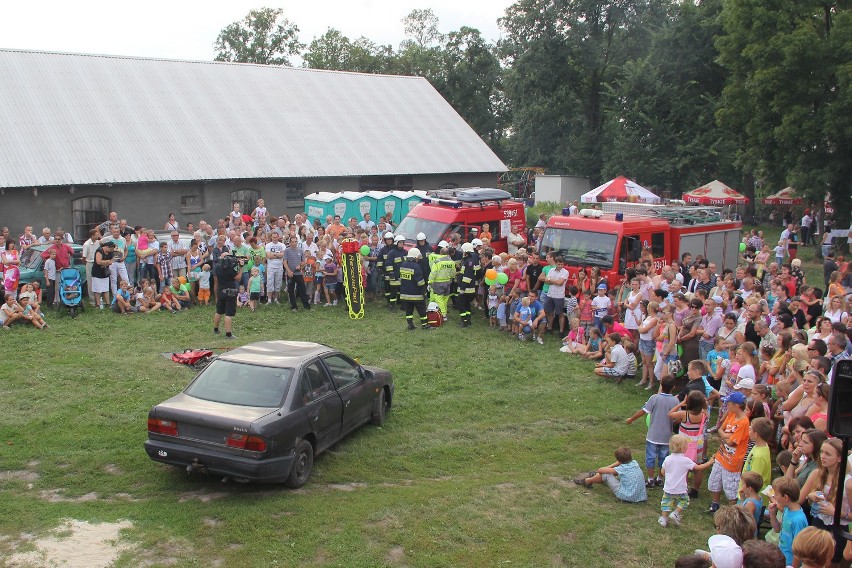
<point>356,394</point>
<point>322,405</point>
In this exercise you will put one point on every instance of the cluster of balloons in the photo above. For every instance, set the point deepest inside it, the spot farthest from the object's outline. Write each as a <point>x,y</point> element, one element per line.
<point>492,277</point>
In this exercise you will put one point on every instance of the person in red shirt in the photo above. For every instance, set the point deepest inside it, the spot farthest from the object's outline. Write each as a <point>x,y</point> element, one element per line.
<point>64,252</point>
<point>613,326</point>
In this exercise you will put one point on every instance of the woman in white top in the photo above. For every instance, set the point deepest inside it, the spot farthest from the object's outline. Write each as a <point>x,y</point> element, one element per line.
<point>835,312</point>
<point>633,312</point>
<point>821,329</point>
<point>171,224</point>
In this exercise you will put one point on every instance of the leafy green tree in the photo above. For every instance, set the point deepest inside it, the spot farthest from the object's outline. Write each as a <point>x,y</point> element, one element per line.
<point>561,56</point>
<point>788,97</point>
<point>333,50</point>
<point>263,36</point>
<point>420,53</point>
<point>660,112</point>
<point>473,83</point>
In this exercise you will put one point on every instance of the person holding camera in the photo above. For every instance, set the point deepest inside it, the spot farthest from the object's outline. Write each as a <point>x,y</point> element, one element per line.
<point>228,278</point>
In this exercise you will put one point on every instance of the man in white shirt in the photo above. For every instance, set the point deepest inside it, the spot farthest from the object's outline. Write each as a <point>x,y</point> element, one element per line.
<point>178,250</point>
<point>366,224</point>
<point>554,300</point>
<point>514,241</point>
<point>806,223</point>
<point>274,267</point>
<point>573,209</point>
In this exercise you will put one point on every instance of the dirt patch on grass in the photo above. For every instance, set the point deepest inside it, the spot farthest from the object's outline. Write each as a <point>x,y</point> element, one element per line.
<point>565,483</point>
<point>57,496</point>
<point>75,544</point>
<point>395,555</point>
<point>347,487</point>
<point>201,495</point>
<point>112,469</point>
<point>19,475</point>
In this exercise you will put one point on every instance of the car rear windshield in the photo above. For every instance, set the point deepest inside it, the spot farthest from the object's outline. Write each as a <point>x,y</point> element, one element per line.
<point>241,384</point>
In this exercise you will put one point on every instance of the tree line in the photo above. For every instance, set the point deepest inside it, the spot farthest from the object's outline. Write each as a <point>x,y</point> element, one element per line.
<point>670,93</point>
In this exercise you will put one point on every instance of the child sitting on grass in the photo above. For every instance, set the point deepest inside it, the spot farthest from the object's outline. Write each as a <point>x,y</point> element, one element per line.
<point>242,297</point>
<point>594,345</point>
<point>624,477</point>
<point>675,469</point>
<point>659,429</point>
<point>29,314</point>
<point>575,339</point>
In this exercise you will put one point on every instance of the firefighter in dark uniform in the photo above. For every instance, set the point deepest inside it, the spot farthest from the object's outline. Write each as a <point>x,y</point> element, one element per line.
<point>382,266</point>
<point>425,250</point>
<point>394,260</point>
<point>467,283</point>
<point>412,289</point>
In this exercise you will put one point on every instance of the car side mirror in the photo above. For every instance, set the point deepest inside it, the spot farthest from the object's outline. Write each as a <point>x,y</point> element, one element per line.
<point>367,373</point>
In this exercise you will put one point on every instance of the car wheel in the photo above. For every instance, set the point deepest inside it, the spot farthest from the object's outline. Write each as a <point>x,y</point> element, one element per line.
<point>302,466</point>
<point>380,409</point>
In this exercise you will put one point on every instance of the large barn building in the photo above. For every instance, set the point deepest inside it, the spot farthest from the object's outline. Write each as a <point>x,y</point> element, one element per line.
<point>82,135</point>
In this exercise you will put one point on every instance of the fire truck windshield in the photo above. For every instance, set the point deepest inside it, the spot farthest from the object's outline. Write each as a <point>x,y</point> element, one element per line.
<point>580,248</point>
<point>410,226</point>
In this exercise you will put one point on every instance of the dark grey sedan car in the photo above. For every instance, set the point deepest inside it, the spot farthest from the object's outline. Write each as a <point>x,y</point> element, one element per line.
<point>262,412</point>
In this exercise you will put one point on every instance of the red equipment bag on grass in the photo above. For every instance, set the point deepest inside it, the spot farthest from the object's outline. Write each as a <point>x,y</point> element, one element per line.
<point>195,358</point>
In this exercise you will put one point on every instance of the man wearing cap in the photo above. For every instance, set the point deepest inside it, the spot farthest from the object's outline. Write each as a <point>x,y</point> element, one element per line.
<point>724,552</point>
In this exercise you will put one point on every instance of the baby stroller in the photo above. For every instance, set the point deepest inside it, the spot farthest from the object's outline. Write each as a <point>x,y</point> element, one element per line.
<point>70,291</point>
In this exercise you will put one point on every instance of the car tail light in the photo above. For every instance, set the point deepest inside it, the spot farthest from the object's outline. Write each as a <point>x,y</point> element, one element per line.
<point>165,427</point>
<point>246,442</point>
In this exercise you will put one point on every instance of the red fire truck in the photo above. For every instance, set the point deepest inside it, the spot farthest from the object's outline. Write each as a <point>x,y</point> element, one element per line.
<point>613,238</point>
<point>447,211</point>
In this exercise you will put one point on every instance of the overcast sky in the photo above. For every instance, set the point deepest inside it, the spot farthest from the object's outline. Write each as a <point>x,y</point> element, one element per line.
<point>186,29</point>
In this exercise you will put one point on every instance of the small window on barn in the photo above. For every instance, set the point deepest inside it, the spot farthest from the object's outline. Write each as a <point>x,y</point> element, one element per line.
<point>87,213</point>
<point>192,199</point>
<point>247,198</point>
<point>658,245</point>
<point>294,193</point>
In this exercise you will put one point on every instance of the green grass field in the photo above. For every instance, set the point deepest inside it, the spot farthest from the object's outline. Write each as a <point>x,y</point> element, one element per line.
<point>472,468</point>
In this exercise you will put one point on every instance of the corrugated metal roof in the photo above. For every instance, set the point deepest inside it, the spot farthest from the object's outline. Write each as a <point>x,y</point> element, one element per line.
<point>88,119</point>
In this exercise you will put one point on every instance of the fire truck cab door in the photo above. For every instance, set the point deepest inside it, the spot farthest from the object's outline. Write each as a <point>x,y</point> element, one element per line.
<point>631,252</point>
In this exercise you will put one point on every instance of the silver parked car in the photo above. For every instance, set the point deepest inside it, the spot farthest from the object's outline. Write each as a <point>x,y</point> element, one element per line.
<point>262,412</point>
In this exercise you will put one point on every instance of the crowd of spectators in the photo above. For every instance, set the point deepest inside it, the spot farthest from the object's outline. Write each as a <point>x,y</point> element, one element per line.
<point>745,354</point>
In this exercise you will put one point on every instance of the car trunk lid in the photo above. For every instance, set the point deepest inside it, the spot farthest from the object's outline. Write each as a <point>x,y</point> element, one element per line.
<point>203,422</point>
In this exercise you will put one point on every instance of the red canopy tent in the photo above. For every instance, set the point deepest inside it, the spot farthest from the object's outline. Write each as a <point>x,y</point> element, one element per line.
<point>715,193</point>
<point>784,197</point>
<point>620,189</point>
